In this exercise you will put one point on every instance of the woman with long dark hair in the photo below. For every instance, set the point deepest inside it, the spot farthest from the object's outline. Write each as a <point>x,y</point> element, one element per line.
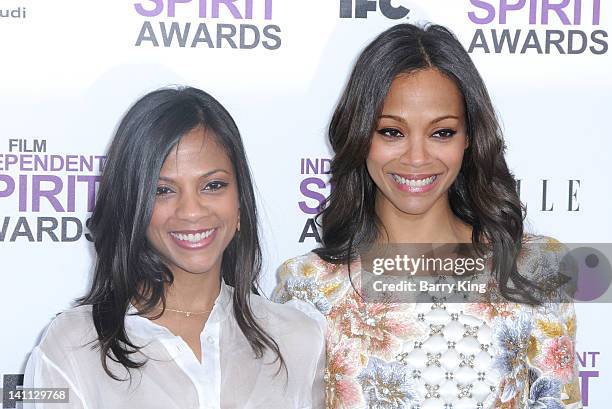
<point>419,158</point>
<point>173,319</point>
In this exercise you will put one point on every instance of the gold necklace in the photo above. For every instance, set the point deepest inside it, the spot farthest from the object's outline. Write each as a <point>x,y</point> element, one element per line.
<point>187,313</point>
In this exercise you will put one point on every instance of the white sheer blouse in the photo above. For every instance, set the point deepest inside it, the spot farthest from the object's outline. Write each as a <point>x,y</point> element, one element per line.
<point>229,376</point>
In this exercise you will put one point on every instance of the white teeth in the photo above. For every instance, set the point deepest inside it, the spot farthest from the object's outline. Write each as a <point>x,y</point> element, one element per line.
<point>193,238</point>
<point>414,182</point>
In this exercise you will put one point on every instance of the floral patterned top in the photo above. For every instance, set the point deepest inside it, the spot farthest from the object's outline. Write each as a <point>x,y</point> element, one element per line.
<point>489,354</point>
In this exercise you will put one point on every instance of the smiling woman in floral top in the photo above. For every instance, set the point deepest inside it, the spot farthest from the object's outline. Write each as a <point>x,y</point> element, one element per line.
<point>419,158</point>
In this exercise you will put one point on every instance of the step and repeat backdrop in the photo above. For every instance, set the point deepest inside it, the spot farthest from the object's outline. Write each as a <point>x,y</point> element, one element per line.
<point>70,68</point>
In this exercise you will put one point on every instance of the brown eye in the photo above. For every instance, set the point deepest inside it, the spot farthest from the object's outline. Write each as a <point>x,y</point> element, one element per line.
<point>390,132</point>
<point>215,185</point>
<point>163,190</point>
<point>444,133</point>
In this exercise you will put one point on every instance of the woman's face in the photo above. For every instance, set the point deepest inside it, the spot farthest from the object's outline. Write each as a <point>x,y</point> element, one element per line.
<point>418,145</point>
<point>196,206</point>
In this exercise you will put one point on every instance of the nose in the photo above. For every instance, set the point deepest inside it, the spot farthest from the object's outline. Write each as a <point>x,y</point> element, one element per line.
<point>416,153</point>
<point>191,206</point>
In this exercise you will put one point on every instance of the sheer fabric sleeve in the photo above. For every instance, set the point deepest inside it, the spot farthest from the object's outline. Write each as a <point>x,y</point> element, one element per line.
<point>300,287</point>
<point>43,372</point>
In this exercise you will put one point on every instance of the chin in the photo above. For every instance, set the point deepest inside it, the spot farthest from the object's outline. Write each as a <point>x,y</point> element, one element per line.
<point>414,209</point>
<point>191,269</point>
<point>194,266</point>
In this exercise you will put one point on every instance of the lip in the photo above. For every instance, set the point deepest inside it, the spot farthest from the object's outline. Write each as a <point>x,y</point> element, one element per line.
<point>193,245</point>
<point>415,176</point>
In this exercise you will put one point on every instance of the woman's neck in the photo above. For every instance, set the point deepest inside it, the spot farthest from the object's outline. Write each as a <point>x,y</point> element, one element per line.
<point>193,292</point>
<point>437,225</point>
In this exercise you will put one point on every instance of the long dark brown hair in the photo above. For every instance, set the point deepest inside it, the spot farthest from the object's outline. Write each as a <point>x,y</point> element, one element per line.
<point>127,267</point>
<point>484,195</point>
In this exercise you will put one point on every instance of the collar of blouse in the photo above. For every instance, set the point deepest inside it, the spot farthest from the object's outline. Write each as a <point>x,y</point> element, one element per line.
<point>148,330</point>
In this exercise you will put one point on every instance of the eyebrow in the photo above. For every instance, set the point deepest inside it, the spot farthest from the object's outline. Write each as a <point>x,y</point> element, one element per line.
<point>204,175</point>
<point>402,120</point>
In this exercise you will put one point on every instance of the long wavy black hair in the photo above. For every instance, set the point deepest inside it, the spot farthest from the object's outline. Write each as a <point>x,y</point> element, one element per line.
<point>484,195</point>
<point>128,269</point>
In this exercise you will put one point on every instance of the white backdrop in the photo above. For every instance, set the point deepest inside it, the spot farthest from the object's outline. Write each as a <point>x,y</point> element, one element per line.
<point>70,68</point>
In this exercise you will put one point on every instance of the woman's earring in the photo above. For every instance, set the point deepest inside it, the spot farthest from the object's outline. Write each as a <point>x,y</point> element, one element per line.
<point>238,225</point>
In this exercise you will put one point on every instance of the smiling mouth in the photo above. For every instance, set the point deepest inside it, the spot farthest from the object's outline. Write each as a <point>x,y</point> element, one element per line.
<point>192,237</point>
<point>415,183</point>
